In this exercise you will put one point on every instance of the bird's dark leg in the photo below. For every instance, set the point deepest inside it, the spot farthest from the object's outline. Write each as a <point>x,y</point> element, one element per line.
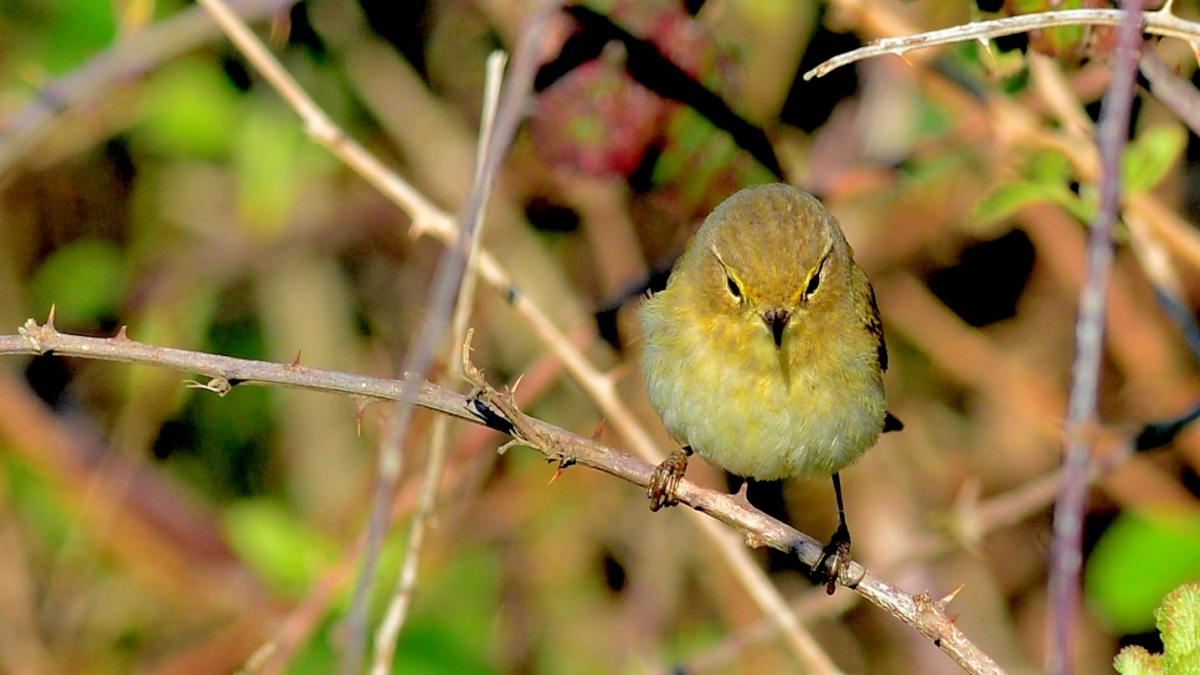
<point>837,552</point>
<point>667,475</point>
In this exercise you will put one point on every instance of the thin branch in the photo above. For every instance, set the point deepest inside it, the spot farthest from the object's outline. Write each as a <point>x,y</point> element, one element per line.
<point>490,408</point>
<point>1176,93</point>
<point>466,299</point>
<point>388,632</point>
<point>1067,554</point>
<point>1161,23</point>
<point>406,583</point>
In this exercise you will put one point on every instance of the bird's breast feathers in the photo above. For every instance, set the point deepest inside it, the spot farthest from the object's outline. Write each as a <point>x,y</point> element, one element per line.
<point>764,413</point>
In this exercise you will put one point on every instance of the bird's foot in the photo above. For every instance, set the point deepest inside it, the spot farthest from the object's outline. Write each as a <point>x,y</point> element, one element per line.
<point>834,558</point>
<point>665,480</point>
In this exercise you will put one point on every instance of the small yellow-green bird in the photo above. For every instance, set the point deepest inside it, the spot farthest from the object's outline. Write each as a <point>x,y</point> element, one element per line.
<point>765,354</point>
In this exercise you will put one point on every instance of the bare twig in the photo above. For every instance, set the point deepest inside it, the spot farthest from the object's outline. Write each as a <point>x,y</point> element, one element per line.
<point>389,629</point>
<point>1172,90</point>
<point>466,299</point>
<point>1089,345</point>
<point>1161,23</point>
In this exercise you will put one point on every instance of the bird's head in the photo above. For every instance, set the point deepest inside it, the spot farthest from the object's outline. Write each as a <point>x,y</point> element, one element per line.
<point>772,258</point>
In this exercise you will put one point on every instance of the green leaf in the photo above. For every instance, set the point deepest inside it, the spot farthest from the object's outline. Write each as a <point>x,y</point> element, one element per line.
<point>1138,560</point>
<point>190,109</point>
<point>1148,158</point>
<point>1178,620</point>
<point>267,161</point>
<point>1049,167</point>
<point>1136,660</point>
<point>1061,41</point>
<point>78,30</point>
<point>1046,181</point>
<point>284,550</point>
<point>37,502</point>
<point>1006,200</point>
<point>85,280</point>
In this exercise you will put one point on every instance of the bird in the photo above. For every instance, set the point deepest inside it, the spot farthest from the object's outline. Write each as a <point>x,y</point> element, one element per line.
<point>764,354</point>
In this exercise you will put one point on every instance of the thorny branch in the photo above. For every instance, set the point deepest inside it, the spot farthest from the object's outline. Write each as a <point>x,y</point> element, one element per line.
<point>497,410</point>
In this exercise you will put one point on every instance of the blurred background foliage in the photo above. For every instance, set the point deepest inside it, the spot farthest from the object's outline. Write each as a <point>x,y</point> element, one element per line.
<point>150,179</point>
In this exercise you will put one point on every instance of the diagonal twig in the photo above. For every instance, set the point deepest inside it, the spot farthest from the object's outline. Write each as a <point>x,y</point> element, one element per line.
<point>1172,90</point>
<point>1161,23</point>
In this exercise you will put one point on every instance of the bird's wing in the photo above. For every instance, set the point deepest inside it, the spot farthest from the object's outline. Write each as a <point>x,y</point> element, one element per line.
<point>875,328</point>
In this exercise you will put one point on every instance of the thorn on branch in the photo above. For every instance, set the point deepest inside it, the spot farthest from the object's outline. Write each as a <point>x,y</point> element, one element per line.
<point>950,598</point>
<point>122,334</point>
<point>564,463</point>
<point>360,407</point>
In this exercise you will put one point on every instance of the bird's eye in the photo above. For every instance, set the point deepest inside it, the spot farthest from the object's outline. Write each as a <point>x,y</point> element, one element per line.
<point>814,281</point>
<point>734,289</point>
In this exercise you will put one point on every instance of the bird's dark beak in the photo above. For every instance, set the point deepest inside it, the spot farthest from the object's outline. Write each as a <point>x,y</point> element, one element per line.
<point>777,321</point>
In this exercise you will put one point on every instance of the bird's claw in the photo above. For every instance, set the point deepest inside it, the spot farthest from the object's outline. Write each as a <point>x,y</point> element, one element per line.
<point>834,558</point>
<point>665,480</point>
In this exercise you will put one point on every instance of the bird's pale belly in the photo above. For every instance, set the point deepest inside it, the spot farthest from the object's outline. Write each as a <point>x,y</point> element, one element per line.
<point>758,424</point>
